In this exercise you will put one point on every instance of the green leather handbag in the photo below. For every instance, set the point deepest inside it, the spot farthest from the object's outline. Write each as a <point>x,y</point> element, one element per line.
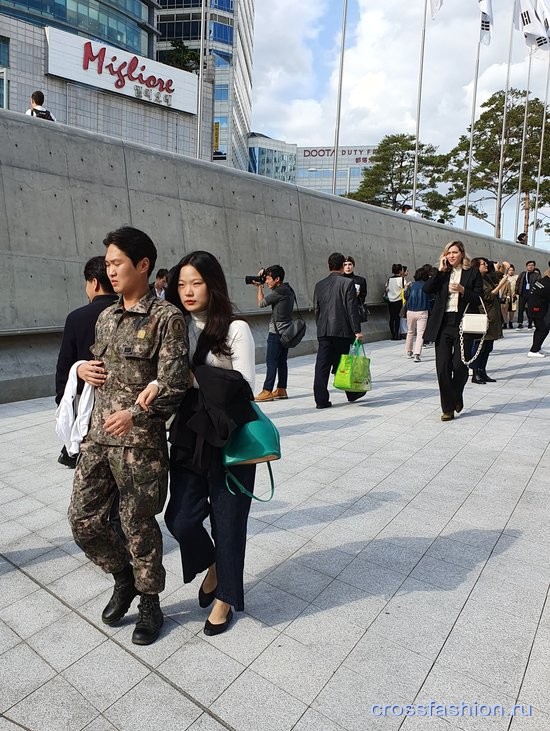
<point>254,442</point>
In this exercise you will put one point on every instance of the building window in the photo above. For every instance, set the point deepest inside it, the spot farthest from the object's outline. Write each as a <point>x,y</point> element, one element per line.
<point>4,51</point>
<point>226,5</point>
<point>221,59</point>
<point>221,93</point>
<point>222,121</point>
<point>221,33</point>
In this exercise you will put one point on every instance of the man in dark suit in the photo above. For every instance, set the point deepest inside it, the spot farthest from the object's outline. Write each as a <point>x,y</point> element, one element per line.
<point>524,285</point>
<point>79,331</point>
<point>338,324</point>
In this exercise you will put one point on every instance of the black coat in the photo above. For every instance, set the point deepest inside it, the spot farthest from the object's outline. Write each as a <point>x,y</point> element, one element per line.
<point>336,307</point>
<point>438,285</point>
<point>362,283</point>
<point>208,416</point>
<point>78,338</point>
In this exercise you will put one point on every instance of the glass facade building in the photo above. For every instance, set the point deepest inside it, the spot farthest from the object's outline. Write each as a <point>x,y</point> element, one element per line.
<point>314,167</point>
<point>229,39</point>
<point>272,158</point>
<point>127,24</point>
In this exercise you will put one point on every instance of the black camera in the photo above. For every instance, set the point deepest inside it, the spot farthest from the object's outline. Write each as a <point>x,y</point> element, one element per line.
<point>255,279</point>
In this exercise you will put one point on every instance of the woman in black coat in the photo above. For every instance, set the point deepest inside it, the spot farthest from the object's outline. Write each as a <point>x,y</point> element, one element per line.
<point>455,286</point>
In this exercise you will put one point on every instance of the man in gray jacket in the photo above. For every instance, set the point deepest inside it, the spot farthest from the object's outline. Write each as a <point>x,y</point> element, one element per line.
<point>281,300</point>
<point>338,324</point>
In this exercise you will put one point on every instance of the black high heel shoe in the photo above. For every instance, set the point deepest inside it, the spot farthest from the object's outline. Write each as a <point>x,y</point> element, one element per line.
<point>206,597</point>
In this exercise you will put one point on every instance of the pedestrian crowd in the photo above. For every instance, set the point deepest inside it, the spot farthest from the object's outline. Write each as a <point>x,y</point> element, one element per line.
<point>139,356</point>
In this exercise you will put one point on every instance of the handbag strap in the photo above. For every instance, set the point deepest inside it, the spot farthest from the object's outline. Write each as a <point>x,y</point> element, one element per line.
<point>230,476</point>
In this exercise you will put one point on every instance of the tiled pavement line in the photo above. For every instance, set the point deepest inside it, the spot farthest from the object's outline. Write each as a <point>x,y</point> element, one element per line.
<point>112,638</point>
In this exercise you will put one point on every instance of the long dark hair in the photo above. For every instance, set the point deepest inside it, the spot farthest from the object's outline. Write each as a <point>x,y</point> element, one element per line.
<point>219,313</point>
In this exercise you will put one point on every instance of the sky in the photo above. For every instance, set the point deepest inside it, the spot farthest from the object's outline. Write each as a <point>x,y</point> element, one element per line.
<point>296,58</point>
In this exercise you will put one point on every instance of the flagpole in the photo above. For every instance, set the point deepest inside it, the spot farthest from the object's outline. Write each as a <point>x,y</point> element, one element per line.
<point>498,212</point>
<point>339,98</point>
<point>419,102</point>
<point>523,140</point>
<point>201,81</point>
<point>539,173</point>
<point>472,124</point>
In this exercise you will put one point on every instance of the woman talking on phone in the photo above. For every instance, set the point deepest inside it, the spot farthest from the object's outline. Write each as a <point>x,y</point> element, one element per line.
<point>454,286</point>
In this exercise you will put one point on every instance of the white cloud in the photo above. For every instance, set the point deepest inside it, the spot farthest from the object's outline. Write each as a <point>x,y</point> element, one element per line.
<point>295,79</point>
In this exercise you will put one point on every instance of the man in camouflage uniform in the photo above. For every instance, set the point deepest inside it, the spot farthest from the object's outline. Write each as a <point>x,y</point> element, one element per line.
<point>139,339</point>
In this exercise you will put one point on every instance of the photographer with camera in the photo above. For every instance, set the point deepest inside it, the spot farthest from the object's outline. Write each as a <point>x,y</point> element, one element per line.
<point>281,300</point>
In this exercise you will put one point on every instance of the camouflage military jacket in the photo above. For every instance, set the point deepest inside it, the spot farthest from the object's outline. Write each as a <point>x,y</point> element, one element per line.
<point>138,345</point>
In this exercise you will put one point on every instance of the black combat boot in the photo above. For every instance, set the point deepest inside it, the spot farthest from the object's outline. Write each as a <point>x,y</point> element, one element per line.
<point>477,376</point>
<point>124,594</point>
<point>150,620</point>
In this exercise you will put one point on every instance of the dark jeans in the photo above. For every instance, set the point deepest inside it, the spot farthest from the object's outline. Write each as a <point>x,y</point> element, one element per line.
<point>480,363</point>
<point>276,362</point>
<point>394,308</point>
<point>522,306</point>
<point>192,498</point>
<point>452,374</point>
<point>542,328</point>
<point>328,357</point>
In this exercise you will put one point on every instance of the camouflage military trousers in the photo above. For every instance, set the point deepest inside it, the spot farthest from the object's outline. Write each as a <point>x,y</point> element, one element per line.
<point>140,475</point>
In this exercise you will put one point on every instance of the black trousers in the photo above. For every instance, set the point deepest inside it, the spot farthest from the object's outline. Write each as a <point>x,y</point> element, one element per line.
<point>542,328</point>
<point>394,308</point>
<point>276,363</point>
<point>452,374</point>
<point>328,356</point>
<point>522,307</point>
<point>193,498</point>
<point>481,361</point>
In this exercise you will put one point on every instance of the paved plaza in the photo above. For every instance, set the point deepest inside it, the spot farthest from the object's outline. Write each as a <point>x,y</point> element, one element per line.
<point>402,560</point>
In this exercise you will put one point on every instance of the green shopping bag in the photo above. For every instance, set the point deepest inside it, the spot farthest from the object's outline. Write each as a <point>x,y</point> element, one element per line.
<point>353,372</point>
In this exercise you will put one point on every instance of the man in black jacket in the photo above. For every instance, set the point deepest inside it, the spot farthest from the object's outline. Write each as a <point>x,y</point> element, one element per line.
<point>337,316</point>
<point>281,300</point>
<point>79,331</point>
<point>524,285</point>
<point>360,286</point>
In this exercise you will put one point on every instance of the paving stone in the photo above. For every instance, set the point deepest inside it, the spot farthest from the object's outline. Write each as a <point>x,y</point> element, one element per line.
<point>65,641</point>
<point>300,671</point>
<point>22,671</point>
<point>240,703</point>
<point>153,704</point>
<point>273,606</point>
<point>349,603</point>
<point>105,674</point>
<point>190,668</point>
<point>55,706</point>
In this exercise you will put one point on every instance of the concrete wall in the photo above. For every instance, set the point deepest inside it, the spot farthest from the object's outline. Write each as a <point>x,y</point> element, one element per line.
<point>63,189</point>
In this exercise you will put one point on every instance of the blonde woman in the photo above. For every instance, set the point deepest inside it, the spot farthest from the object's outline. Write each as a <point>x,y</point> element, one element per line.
<point>509,300</point>
<point>454,286</point>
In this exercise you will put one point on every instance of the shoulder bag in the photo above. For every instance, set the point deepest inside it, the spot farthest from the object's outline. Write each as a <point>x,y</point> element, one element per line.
<point>475,324</point>
<point>252,443</point>
<point>294,332</point>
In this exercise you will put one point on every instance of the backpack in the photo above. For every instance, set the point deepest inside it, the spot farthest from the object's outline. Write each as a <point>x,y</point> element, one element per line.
<point>42,114</point>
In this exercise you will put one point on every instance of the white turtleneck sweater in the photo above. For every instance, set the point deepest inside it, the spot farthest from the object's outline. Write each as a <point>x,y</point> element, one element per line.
<point>239,340</point>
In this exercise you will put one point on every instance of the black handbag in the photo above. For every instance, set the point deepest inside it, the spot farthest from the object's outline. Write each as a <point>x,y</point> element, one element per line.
<point>294,332</point>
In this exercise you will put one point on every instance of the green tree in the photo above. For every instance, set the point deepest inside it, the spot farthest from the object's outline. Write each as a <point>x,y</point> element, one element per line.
<point>486,150</point>
<point>181,57</point>
<point>388,183</point>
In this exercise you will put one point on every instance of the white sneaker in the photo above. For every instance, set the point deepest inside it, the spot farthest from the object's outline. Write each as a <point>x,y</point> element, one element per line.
<point>540,354</point>
<point>416,359</point>
<point>409,354</point>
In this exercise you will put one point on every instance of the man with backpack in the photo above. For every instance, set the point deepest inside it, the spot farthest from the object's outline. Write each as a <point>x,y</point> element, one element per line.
<point>37,109</point>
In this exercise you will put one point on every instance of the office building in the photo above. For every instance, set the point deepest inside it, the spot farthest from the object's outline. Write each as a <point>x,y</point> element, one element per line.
<point>228,41</point>
<point>315,165</point>
<point>272,158</point>
<point>93,63</point>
